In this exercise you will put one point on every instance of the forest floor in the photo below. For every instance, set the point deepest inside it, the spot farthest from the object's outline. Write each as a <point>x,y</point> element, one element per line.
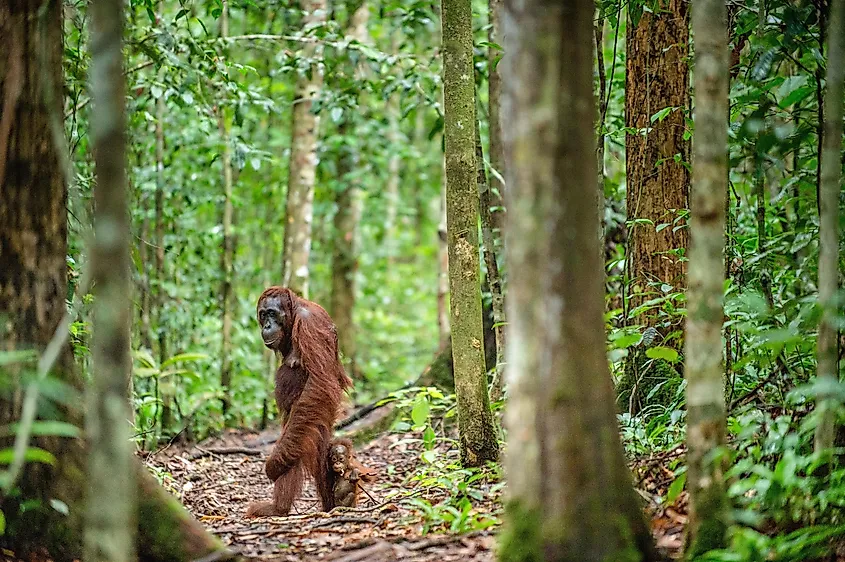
<point>217,478</point>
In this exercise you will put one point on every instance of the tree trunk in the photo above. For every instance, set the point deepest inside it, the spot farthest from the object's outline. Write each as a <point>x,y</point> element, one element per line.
<point>831,169</point>
<point>110,509</point>
<point>565,459</point>
<point>33,282</point>
<point>299,212</point>
<point>494,280</point>
<point>228,255</point>
<point>494,88</point>
<point>705,385</point>
<point>443,327</point>
<point>347,216</point>
<point>475,420</point>
<point>657,78</point>
<point>158,294</point>
<point>33,250</point>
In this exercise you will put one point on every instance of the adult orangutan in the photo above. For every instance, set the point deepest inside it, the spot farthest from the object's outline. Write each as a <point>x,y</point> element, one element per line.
<point>309,388</point>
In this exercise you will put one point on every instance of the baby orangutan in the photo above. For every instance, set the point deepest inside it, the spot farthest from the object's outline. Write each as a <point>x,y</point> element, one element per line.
<point>347,472</point>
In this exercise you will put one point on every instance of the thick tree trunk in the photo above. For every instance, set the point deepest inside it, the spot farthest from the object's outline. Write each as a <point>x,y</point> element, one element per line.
<point>349,206</point>
<point>227,258</point>
<point>565,459</point>
<point>299,212</point>
<point>657,78</point>
<point>33,285</point>
<point>831,170</point>
<point>33,250</point>
<point>110,508</point>
<point>475,420</point>
<point>703,372</point>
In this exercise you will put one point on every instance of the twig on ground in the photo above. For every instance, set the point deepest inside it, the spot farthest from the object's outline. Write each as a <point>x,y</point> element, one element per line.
<point>202,452</point>
<point>335,520</point>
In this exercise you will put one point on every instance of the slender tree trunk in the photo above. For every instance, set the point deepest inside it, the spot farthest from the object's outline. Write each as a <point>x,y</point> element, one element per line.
<point>494,84</point>
<point>299,212</point>
<point>166,386</point>
<point>347,216</point>
<point>703,372</point>
<point>145,286</point>
<point>831,170</point>
<point>158,298</point>
<point>443,324</point>
<point>494,280</point>
<point>565,459</point>
<point>110,515</point>
<point>657,78</point>
<point>227,257</point>
<point>599,32</point>
<point>475,420</point>
<point>391,192</point>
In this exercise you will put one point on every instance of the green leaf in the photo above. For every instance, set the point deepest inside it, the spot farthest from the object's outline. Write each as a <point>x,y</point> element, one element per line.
<point>33,454</point>
<point>156,91</point>
<point>660,352</point>
<point>184,357</point>
<point>419,414</point>
<point>795,96</point>
<point>45,427</point>
<point>429,456</point>
<point>2,523</point>
<point>661,115</point>
<point>676,488</point>
<point>626,341</point>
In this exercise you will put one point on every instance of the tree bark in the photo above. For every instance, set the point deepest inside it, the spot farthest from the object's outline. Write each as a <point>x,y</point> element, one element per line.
<point>299,212</point>
<point>33,267</point>
<point>703,371</point>
<point>831,170</point>
<point>566,463</point>
<point>33,285</point>
<point>475,420</point>
<point>349,206</point>
<point>227,257</point>
<point>494,280</point>
<point>494,93</point>
<point>657,78</point>
<point>110,509</point>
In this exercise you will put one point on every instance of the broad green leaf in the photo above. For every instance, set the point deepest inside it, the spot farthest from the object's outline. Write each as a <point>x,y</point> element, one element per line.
<point>676,488</point>
<point>45,427</point>
<point>183,357</point>
<point>33,454</point>
<point>660,352</point>
<point>419,414</point>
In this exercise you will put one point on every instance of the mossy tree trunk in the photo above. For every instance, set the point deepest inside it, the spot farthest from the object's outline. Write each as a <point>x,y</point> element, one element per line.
<point>349,206</point>
<point>475,420</point>
<point>831,170</point>
<point>33,267</point>
<point>299,212</point>
<point>565,458</point>
<point>657,79</point>
<point>705,385</point>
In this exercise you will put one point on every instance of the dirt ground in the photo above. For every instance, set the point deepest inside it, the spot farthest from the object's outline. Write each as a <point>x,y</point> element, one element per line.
<point>218,478</point>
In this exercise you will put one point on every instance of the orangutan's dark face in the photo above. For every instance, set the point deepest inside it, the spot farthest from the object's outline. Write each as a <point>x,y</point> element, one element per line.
<point>339,458</point>
<point>273,320</point>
